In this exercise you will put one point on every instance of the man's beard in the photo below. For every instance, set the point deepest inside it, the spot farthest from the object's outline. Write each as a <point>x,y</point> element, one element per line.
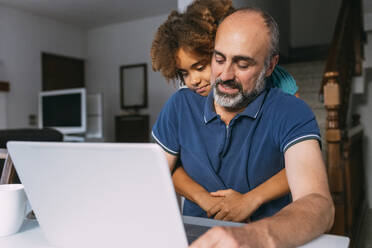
<point>240,99</point>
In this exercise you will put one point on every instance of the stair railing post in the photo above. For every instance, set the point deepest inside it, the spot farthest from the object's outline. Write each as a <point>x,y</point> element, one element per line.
<point>333,136</point>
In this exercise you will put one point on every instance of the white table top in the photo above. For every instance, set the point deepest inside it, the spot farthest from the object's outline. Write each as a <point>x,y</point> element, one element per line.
<point>31,236</point>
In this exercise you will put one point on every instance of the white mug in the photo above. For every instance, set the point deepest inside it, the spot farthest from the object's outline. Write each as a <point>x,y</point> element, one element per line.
<point>12,208</point>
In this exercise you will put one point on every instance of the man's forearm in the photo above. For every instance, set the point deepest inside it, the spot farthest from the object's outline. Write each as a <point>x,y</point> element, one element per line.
<point>296,224</point>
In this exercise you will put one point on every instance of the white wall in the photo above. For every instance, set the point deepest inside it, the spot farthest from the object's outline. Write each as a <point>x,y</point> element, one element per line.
<point>364,108</point>
<point>3,109</point>
<point>313,22</point>
<point>121,44</point>
<point>23,37</point>
<point>368,22</point>
<point>182,4</point>
<point>280,11</point>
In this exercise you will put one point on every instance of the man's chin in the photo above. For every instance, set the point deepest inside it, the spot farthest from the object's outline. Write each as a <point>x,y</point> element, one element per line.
<point>227,101</point>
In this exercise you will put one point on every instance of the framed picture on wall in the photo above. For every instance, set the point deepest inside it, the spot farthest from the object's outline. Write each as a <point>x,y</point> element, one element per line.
<point>133,86</point>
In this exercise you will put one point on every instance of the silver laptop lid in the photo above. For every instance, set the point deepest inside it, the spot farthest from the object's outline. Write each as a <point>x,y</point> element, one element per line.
<point>100,195</point>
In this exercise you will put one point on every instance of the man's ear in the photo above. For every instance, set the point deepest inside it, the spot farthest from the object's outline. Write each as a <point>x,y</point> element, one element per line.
<point>273,62</point>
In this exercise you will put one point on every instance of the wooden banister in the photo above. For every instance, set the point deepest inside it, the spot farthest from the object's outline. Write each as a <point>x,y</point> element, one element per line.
<point>344,145</point>
<point>333,137</point>
<point>346,52</point>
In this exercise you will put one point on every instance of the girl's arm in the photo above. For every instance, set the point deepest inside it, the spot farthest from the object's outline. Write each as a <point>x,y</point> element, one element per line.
<point>193,191</point>
<point>230,204</point>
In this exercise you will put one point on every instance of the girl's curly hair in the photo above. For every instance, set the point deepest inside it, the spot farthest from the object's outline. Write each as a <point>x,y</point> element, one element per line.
<point>193,30</point>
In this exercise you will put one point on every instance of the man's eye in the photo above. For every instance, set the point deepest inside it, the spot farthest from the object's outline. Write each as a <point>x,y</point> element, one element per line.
<point>243,65</point>
<point>219,60</point>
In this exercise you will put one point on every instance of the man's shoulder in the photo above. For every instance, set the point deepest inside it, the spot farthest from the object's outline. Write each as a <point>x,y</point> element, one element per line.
<point>289,119</point>
<point>277,100</point>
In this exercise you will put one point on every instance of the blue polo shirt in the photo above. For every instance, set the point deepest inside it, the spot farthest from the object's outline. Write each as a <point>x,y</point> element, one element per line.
<point>240,156</point>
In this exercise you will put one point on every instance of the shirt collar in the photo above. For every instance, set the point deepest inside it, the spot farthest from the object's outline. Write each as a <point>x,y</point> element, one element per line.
<point>209,112</point>
<point>251,110</point>
<point>254,107</point>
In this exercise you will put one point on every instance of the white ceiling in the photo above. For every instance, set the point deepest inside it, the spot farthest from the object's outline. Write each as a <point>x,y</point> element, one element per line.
<point>94,13</point>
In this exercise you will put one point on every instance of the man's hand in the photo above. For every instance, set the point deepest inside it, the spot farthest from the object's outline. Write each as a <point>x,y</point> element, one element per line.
<point>234,206</point>
<point>232,237</point>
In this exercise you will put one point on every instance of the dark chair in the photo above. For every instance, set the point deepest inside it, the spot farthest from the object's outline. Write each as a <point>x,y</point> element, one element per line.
<point>9,174</point>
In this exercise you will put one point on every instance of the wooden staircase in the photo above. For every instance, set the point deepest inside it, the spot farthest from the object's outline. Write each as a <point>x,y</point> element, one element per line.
<point>342,135</point>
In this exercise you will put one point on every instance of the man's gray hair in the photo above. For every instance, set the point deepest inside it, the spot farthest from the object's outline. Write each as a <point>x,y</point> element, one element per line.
<point>271,24</point>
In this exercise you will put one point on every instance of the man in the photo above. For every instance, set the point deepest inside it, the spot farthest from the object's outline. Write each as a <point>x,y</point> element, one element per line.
<point>257,130</point>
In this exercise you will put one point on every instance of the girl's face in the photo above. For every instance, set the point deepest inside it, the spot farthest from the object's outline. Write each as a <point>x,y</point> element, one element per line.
<point>195,72</point>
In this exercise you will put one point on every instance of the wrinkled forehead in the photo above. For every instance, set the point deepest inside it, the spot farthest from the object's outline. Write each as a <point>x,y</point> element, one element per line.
<point>244,30</point>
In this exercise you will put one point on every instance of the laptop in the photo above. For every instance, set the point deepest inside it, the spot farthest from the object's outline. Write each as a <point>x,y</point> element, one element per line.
<point>102,194</point>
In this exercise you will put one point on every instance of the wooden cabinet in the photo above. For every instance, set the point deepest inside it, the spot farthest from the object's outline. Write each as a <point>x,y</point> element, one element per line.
<point>132,128</point>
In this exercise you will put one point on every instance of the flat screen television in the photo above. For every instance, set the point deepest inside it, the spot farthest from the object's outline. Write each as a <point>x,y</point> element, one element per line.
<point>64,110</point>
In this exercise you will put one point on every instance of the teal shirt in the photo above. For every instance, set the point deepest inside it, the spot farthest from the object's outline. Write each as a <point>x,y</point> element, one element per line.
<point>280,78</point>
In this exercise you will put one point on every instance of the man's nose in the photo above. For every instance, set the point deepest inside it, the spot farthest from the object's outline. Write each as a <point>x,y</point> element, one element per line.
<point>228,73</point>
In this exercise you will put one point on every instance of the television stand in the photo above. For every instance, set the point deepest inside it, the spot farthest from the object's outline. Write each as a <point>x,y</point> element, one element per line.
<point>73,138</point>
